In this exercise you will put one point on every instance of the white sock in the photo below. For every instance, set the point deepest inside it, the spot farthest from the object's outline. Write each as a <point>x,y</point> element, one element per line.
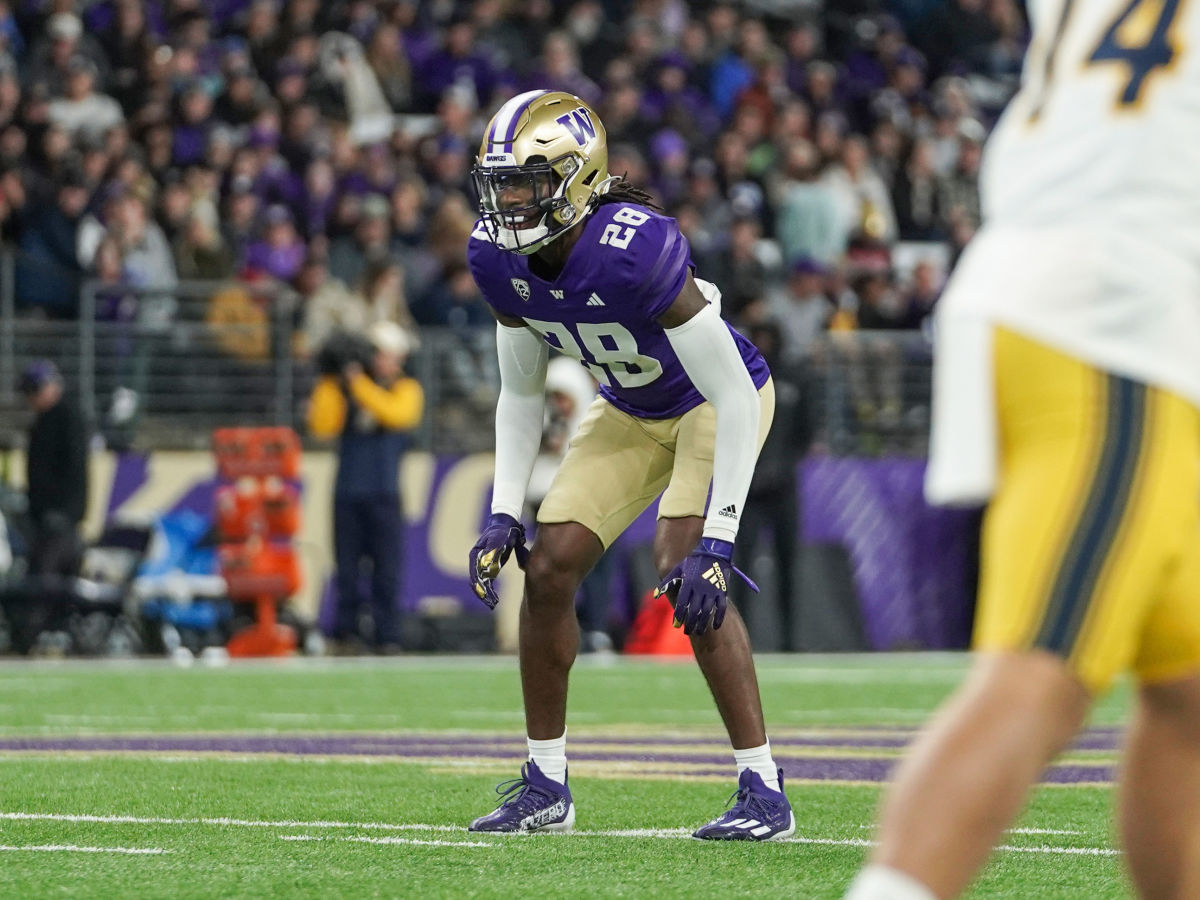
<point>760,760</point>
<point>885,883</point>
<point>551,757</point>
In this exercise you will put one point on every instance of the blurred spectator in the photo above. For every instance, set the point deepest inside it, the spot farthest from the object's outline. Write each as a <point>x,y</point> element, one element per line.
<point>674,102</point>
<point>803,311</point>
<point>48,270</point>
<point>558,69</point>
<point>860,195</point>
<point>669,150</point>
<point>958,190</point>
<point>174,205</point>
<point>148,259</point>
<point>240,222</point>
<point>368,405</point>
<point>280,251</point>
<point>917,197</point>
<point>807,221</point>
<point>192,126</point>
<point>56,472</point>
<point>743,278</point>
<point>880,305</point>
<point>126,42</point>
<point>64,42</point>
<point>81,110</point>
<point>350,254</point>
<point>200,251</point>
<point>330,307</point>
<point>458,62</point>
<point>957,31</point>
<point>389,62</point>
<point>921,293</point>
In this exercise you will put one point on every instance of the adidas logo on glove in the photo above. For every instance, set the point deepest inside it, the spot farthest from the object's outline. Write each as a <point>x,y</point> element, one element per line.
<point>715,576</point>
<point>730,511</point>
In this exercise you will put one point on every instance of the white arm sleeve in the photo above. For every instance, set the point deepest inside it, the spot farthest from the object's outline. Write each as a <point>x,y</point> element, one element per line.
<point>523,355</point>
<point>712,361</point>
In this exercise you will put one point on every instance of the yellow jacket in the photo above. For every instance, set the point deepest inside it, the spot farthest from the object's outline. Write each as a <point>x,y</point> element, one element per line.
<point>399,407</point>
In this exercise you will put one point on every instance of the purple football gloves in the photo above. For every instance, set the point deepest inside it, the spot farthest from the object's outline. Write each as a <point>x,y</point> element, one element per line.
<point>699,586</point>
<point>501,537</point>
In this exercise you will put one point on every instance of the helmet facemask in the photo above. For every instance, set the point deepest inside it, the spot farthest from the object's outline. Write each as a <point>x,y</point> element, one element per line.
<point>525,207</point>
<point>540,169</point>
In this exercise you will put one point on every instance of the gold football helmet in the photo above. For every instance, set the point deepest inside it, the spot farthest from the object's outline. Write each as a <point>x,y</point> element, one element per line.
<point>541,166</point>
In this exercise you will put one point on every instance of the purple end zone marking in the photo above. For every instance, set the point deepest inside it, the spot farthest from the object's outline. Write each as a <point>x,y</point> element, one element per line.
<point>795,765</point>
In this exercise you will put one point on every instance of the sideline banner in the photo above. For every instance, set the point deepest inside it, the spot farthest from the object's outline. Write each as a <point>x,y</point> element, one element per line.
<point>913,565</point>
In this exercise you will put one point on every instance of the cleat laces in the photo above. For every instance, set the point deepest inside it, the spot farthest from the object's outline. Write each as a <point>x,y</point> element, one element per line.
<point>515,791</point>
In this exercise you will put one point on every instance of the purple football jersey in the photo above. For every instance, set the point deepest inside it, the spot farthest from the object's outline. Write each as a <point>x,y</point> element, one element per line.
<point>625,271</point>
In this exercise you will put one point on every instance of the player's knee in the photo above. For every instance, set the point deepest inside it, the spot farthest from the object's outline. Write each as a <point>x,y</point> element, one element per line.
<point>1033,685</point>
<point>551,578</point>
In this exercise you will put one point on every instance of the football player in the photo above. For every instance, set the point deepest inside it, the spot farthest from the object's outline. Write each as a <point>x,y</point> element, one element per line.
<point>1067,394</point>
<point>572,258</point>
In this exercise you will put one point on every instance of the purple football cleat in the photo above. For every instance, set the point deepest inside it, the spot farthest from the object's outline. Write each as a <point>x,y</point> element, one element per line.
<point>532,802</point>
<point>760,814</point>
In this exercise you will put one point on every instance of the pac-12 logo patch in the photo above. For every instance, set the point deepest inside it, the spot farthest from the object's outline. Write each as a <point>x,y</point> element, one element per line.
<point>521,286</point>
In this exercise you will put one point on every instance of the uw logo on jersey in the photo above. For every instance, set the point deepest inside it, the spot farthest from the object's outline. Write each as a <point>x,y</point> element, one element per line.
<point>580,124</point>
<point>521,286</point>
<point>557,295</point>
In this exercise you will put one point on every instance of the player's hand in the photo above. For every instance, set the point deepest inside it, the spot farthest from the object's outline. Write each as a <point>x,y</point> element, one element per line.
<point>502,536</point>
<point>699,586</point>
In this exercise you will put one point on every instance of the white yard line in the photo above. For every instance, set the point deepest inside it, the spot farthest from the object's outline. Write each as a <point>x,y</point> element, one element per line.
<point>392,840</point>
<point>668,833</point>
<point>72,848</point>
<point>1013,830</point>
<point>222,821</point>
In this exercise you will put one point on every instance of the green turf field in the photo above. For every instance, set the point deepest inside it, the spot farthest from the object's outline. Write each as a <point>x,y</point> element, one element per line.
<point>353,778</point>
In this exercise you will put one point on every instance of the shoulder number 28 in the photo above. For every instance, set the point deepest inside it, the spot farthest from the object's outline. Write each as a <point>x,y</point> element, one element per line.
<point>617,237</point>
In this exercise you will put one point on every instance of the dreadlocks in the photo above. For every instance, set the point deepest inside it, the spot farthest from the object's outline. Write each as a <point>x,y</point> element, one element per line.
<point>624,192</point>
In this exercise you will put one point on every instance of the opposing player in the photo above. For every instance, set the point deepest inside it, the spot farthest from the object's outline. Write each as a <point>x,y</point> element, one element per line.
<point>1067,390</point>
<point>572,258</point>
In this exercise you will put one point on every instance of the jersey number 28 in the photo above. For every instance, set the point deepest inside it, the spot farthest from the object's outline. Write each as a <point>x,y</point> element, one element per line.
<point>609,351</point>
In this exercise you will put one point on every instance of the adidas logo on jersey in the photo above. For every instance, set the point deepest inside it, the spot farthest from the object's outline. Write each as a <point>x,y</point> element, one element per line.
<point>730,511</point>
<point>595,300</point>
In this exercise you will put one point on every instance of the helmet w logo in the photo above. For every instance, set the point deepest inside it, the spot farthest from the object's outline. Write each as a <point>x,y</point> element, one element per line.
<point>579,123</point>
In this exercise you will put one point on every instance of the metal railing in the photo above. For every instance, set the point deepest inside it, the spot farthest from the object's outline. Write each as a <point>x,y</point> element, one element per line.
<point>161,369</point>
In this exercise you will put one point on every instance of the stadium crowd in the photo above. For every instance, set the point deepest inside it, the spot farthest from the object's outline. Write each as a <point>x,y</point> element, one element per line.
<point>328,146</point>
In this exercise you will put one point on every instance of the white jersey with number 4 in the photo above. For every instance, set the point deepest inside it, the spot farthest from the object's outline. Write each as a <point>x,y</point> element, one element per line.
<point>1091,237</point>
<point>1091,192</point>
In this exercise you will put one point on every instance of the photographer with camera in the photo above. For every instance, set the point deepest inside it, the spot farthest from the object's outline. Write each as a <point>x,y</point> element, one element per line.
<point>365,400</point>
